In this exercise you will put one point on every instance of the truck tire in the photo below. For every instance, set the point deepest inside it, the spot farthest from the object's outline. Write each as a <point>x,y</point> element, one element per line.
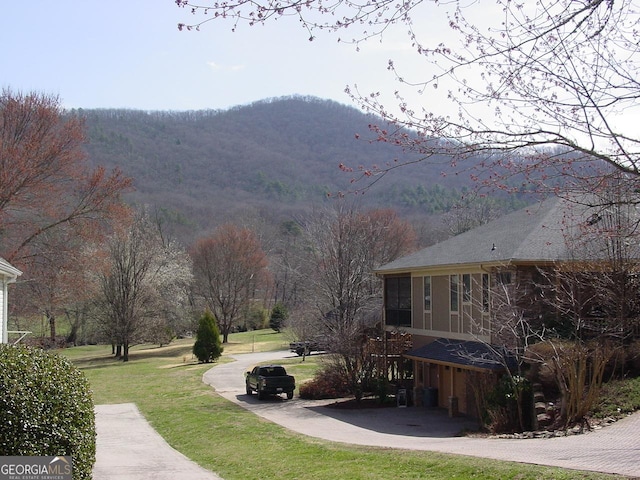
<point>248,388</point>
<point>261,394</point>
<point>289,395</point>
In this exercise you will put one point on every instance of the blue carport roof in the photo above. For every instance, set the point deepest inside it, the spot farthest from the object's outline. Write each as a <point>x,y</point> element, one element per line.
<point>465,354</point>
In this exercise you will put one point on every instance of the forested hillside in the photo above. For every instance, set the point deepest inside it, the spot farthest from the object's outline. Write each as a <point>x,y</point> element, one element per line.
<point>275,157</point>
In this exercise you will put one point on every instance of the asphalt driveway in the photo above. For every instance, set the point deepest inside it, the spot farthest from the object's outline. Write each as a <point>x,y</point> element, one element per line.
<point>613,449</point>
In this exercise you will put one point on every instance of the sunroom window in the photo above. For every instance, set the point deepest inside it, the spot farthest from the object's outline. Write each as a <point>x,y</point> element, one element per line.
<point>397,300</point>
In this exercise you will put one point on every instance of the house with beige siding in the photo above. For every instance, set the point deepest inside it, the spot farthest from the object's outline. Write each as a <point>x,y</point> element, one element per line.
<point>443,295</point>
<point>8,274</point>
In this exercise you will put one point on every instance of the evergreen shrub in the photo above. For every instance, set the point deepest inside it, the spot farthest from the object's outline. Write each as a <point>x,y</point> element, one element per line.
<point>279,316</point>
<point>207,347</point>
<point>46,408</point>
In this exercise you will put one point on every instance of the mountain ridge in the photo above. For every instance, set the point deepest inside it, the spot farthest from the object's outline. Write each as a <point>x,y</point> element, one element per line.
<point>279,156</point>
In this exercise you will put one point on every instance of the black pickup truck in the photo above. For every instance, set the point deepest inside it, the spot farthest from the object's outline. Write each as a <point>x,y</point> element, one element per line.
<point>270,380</point>
<point>305,348</point>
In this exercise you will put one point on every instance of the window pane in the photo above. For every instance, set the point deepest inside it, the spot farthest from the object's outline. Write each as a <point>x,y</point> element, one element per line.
<point>453,281</point>
<point>391,292</point>
<point>485,292</point>
<point>398,301</point>
<point>427,294</point>
<point>466,288</point>
<point>404,293</point>
<point>504,278</point>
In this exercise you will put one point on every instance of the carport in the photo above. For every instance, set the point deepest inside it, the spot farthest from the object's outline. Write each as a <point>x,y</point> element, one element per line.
<point>446,369</point>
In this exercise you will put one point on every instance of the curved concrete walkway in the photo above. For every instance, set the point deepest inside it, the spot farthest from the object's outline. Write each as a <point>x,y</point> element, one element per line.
<point>614,449</point>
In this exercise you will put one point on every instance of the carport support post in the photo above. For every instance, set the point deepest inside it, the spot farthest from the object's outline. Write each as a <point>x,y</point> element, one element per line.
<point>453,406</point>
<point>453,399</point>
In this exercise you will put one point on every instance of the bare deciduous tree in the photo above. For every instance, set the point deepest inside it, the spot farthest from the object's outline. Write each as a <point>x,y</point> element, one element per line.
<point>228,267</point>
<point>51,202</point>
<point>469,213</point>
<point>578,368</point>
<point>138,275</point>
<point>58,280</point>
<point>287,261</point>
<point>595,289</point>
<point>46,186</point>
<point>345,246</point>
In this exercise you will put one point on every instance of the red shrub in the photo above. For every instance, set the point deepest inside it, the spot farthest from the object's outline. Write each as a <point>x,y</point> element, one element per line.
<point>327,383</point>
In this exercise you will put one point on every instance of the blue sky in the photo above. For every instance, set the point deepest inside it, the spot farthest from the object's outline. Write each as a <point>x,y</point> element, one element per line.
<point>130,54</point>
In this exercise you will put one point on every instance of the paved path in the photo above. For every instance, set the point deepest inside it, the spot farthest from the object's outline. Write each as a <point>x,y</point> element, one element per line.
<point>127,448</point>
<point>613,449</point>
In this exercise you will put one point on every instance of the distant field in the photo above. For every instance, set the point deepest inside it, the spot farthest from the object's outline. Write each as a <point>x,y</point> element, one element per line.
<point>38,326</point>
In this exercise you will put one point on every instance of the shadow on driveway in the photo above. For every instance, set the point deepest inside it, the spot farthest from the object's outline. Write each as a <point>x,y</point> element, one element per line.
<point>412,421</point>
<point>409,421</point>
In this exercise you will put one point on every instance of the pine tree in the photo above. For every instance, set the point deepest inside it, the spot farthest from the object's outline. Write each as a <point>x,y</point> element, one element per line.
<point>208,347</point>
<point>278,316</point>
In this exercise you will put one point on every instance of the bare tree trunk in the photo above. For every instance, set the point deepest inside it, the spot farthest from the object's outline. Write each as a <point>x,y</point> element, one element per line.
<point>52,326</point>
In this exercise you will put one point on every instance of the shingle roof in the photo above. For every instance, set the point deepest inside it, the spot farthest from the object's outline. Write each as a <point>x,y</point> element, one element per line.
<point>534,234</point>
<point>464,353</point>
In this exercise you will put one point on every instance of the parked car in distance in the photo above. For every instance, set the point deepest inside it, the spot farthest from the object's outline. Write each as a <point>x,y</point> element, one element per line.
<point>305,348</point>
<point>269,380</point>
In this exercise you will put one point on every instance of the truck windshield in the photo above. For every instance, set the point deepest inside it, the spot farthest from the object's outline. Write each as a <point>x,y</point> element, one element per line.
<point>272,371</point>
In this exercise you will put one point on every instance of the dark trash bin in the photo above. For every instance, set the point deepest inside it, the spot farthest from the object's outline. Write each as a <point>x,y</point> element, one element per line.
<point>401,397</point>
<point>430,399</point>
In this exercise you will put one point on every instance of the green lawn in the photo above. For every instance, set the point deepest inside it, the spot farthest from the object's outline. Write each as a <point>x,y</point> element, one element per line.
<point>165,383</point>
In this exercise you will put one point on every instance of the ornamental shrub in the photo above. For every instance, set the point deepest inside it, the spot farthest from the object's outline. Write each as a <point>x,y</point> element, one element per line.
<point>327,383</point>
<point>207,347</point>
<point>46,408</point>
<point>279,315</point>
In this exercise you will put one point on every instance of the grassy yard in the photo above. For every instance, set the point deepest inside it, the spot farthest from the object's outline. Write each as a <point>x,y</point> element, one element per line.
<point>165,383</point>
